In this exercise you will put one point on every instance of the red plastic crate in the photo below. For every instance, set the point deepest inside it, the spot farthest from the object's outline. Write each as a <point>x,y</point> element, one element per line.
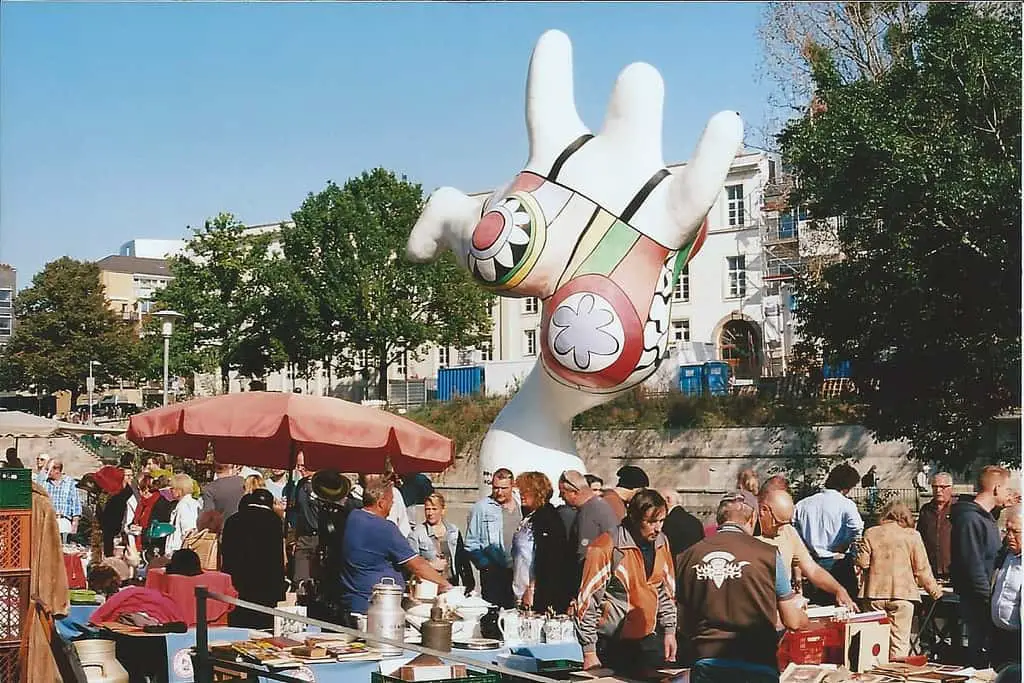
<point>14,594</point>
<point>10,663</point>
<point>15,540</point>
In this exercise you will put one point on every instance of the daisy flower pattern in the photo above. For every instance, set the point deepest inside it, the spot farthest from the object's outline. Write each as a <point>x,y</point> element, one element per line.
<point>585,332</point>
<point>500,241</point>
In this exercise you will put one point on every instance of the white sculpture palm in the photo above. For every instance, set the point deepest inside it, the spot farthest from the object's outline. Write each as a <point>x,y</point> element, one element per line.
<point>601,334</point>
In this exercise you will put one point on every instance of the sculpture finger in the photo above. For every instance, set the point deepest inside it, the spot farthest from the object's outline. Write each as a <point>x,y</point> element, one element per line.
<point>551,117</point>
<point>696,187</point>
<point>447,220</point>
<point>634,117</point>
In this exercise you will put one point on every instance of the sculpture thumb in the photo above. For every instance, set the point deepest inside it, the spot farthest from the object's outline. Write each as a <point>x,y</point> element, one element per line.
<point>447,220</point>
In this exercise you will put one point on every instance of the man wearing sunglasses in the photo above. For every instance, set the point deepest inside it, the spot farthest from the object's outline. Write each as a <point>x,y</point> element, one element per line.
<point>775,514</point>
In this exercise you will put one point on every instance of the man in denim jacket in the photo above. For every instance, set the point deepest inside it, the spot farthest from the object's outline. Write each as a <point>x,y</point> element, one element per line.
<point>492,522</point>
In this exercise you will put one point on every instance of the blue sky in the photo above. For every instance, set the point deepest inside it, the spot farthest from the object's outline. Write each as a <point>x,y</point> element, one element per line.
<point>122,121</point>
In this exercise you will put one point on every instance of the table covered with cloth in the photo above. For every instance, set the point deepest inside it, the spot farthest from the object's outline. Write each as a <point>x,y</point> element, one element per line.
<point>331,672</point>
<point>182,590</point>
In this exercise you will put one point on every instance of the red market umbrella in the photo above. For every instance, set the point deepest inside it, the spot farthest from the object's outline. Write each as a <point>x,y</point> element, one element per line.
<point>267,429</point>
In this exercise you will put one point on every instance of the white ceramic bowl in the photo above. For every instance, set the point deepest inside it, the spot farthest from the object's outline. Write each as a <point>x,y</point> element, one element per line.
<point>471,612</point>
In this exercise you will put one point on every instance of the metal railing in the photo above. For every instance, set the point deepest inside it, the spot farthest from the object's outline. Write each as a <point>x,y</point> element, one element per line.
<point>205,661</point>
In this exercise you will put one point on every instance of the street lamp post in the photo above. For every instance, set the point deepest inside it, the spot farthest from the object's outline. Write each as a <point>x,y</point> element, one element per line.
<point>166,328</point>
<point>91,385</point>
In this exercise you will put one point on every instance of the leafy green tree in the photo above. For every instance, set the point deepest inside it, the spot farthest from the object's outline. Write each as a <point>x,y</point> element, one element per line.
<point>922,161</point>
<point>347,247</point>
<point>223,286</point>
<point>63,322</point>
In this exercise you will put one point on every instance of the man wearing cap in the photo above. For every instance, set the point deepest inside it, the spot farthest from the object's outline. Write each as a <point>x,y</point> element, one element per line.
<point>631,480</point>
<point>593,515</point>
<point>731,590</point>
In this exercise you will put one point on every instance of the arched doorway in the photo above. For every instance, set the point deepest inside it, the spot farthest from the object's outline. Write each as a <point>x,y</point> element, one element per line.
<point>740,345</point>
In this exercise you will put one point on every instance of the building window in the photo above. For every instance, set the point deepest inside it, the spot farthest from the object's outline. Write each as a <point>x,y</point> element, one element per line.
<point>734,193</point>
<point>531,305</point>
<point>737,267</point>
<point>682,291</point>
<point>531,343</point>
<point>5,326</point>
<point>402,364</point>
<point>680,331</point>
<point>5,299</point>
<point>486,351</point>
<point>444,357</point>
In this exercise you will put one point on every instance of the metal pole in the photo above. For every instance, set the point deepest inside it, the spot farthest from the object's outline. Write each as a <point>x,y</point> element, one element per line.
<point>167,351</point>
<point>92,383</point>
<point>203,670</point>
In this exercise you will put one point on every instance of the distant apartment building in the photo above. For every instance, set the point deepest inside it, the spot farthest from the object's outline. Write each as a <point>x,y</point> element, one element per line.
<point>130,283</point>
<point>8,289</point>
<point>152,248</point>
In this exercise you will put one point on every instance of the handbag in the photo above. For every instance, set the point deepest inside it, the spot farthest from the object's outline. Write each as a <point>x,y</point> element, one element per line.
<point>206,545</point>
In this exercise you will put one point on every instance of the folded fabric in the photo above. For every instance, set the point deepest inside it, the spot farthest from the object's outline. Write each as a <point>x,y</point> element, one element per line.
<point>136,599</point>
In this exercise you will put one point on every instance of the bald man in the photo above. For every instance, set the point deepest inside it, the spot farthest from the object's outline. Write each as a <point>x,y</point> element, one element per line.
<point>775,514</point>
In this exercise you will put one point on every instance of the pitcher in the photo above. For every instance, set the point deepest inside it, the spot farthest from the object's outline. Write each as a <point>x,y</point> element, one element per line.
<point>510,625</point>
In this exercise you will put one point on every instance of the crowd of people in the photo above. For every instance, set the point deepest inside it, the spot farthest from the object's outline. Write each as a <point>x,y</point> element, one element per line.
<point>646,582</point>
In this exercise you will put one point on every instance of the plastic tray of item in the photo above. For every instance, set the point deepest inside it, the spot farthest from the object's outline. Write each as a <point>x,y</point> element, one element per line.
<point>471,677</point>
<point>559,669</point>
<point>15,489</point>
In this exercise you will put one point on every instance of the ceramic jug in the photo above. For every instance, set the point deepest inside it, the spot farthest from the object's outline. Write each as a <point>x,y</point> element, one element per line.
<point>99,662</point>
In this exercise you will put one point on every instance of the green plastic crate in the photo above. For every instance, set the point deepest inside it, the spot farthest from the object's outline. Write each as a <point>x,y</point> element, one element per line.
<point>15,489</point>
<point>471,677</point>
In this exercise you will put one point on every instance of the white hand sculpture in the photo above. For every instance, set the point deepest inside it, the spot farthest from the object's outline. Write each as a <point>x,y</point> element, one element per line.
<point>598,229</point>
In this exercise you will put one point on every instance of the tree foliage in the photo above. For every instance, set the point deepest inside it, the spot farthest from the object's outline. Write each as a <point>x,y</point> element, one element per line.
<point>862,40</point>
<point>347,245</point>
<point>63,322</point>
<point>922,161</point>
<point>225,285</point>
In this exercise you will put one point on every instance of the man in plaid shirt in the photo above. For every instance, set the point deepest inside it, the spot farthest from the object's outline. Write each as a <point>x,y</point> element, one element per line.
<point>64,496</point>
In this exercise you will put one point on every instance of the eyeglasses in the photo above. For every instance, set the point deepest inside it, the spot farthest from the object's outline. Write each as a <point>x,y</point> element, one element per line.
<point>780,522</point>
<point>1012,532</point>
<point>942,486</point>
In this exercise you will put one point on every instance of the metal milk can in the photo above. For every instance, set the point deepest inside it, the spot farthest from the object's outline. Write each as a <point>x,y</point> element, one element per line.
<point>385,618</point>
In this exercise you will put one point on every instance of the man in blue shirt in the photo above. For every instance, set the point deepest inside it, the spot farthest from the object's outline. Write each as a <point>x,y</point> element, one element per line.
<point>829,523</point>
<point>373,548</point>
<point>67,503</point>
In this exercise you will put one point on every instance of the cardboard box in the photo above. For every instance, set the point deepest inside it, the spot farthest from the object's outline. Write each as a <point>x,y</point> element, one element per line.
<point>866,645</point>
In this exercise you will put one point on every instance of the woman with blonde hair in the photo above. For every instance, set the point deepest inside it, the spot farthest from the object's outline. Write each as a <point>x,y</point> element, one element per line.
<point>893,557</point>
<point>253,482</point>
<point>543,564</point>
<point>747,480</point>
<point>440,543</point>
<point>185,516</point>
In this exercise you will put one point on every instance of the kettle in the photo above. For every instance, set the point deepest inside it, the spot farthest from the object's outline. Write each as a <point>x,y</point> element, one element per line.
<point>436,632</point>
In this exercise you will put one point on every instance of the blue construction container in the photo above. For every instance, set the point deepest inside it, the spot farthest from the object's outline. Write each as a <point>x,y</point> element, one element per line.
<point>452,382</point>
<point>716,378</point>
<point>691,380</point>
<point>836,370</point>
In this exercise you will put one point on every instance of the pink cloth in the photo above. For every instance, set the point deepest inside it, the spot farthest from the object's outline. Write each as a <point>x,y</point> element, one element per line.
<point>75,571</point>
<point>182,590</point>
<point>135,599</point>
